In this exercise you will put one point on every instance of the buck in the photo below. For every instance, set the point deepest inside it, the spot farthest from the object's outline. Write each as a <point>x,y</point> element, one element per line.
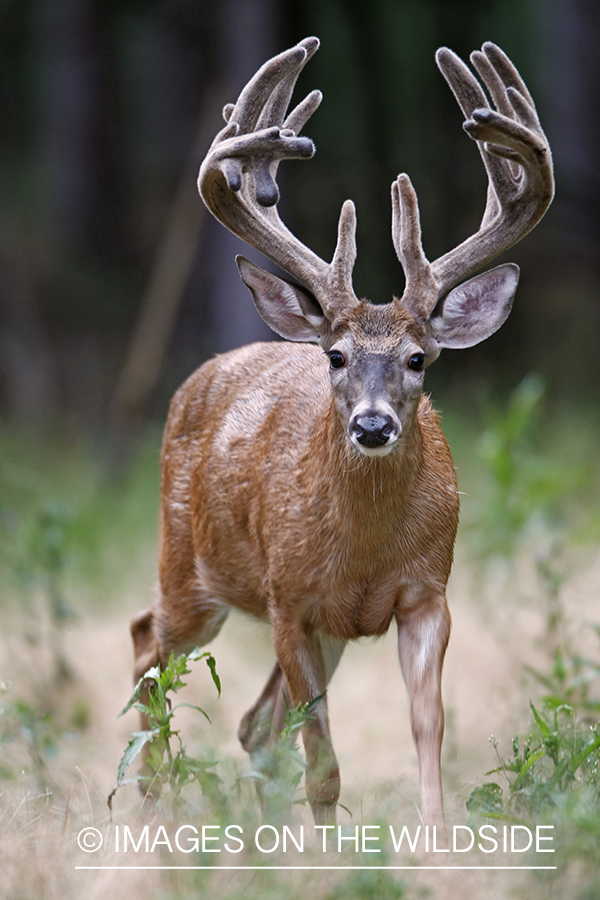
<point>310,484</point>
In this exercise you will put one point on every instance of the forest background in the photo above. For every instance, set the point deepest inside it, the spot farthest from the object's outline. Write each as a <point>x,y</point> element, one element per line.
<point>108,107</point>
<point>115,284</point>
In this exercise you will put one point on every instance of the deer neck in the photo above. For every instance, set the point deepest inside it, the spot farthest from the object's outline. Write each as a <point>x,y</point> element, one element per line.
<point>359,484</point>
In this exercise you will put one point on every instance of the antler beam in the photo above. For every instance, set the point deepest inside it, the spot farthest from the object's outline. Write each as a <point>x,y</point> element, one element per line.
<point>516,156</point>
<point>237,179</point>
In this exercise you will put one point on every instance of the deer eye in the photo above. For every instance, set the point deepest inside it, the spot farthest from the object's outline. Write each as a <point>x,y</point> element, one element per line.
<point>336,359</point>
<point>416,362</point>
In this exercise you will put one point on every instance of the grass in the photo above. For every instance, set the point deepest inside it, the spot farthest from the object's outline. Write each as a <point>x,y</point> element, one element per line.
<point>67,521</point>
<point>77,545</point>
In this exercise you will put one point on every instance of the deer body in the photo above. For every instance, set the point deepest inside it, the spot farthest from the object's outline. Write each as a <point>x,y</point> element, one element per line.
<point>312,486</point>
<point>266,508</point>
<point>239,499</point>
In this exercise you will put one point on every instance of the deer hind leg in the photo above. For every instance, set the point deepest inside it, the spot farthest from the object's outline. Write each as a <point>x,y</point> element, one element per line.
<point>145,644</point>
<point>257,732</point>
<point>260,721</point>
<point>264,721</point>
<point>422,640</point>
<point>155,635</point>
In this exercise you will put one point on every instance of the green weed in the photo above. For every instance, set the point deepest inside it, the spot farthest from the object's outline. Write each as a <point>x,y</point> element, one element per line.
<point>164,765</point>
<point>570,681</point>
<point>367,885</point>
<point>553,774</point>
<point>279,767</point>
<point>559,756</point>
<point>523,486</point>
<point>25,728</point>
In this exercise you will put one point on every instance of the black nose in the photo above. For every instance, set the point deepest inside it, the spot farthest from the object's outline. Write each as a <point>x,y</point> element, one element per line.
<point>372,431</point>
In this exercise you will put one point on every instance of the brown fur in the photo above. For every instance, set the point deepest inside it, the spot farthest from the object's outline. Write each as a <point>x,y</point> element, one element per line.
<point>267,507</point>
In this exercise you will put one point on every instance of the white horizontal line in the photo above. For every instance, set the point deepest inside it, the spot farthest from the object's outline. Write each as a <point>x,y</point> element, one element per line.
<point>293,868</point>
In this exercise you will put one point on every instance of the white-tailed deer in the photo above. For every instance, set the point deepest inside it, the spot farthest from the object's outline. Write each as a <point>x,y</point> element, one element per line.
<point>312,485</point>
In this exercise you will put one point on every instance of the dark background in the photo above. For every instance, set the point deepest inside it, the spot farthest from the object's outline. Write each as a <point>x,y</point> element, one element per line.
<point>115,284</point>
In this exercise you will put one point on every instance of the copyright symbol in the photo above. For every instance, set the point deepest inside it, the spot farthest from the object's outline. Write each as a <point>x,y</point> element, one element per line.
<point>89,839</point>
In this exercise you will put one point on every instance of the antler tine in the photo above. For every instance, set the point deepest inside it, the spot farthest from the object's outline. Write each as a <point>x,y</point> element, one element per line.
<point>237,178</point>
<point>299,116</point>
<point>344,257</point>
<point>406,236</point>
<point>470,96</point>
<point>271,76</point>
<point>507,72</point>
<point>276,107</point>
<point>463,84</point>
<point>495,85</point>
<point>515,153</point>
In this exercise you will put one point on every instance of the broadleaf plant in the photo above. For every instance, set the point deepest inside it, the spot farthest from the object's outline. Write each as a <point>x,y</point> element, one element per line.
<point>164,764</point>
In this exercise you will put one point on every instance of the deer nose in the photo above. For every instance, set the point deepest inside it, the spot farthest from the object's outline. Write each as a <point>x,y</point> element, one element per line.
<point>372,431</point>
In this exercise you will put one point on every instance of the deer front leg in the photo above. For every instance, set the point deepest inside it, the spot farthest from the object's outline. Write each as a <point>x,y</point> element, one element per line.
<point>423,633</point>
<point>307,660</point>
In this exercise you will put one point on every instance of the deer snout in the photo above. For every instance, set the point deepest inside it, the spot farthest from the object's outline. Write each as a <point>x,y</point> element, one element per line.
<point>373,431</point>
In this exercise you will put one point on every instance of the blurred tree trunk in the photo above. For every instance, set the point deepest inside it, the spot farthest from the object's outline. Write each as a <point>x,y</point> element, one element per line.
<point>247,35</point>
<point>80,141</point>
<point>185,224</point>
<point>573,79</point>
<point>27,363</point>
<point>244,38</point>
<point>566,313</point>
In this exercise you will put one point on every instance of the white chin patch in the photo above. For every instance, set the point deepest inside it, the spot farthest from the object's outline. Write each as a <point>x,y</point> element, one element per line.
<point>374,451</point>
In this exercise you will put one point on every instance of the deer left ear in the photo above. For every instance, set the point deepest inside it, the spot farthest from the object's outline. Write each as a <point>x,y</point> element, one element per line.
<point>290,311</point>
<point>473,311</point>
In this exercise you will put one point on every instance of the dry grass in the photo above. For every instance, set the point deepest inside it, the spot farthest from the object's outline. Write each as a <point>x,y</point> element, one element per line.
<point>43,808</point>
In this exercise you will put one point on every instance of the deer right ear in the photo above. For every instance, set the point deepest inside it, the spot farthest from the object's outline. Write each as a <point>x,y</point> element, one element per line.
<point>475,309</point>
<point>286,308</point>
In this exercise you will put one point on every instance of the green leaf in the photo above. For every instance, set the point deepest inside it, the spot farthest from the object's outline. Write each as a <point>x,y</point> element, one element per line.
<point>190,706</point>
<point>543,726</point>
<point>212,665</point>
<point>135,746</point>
<point>559,773</point>
<point>577,760</point>
<point>486,799</point>
<point>136,693</point>
<point>526,768</point>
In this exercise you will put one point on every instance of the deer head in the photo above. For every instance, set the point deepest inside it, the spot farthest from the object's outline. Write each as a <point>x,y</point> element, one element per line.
<point>378,354</point>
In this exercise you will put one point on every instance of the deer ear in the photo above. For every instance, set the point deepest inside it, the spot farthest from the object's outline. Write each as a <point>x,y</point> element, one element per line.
<point>286,308</point>
<point>476,309</point>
